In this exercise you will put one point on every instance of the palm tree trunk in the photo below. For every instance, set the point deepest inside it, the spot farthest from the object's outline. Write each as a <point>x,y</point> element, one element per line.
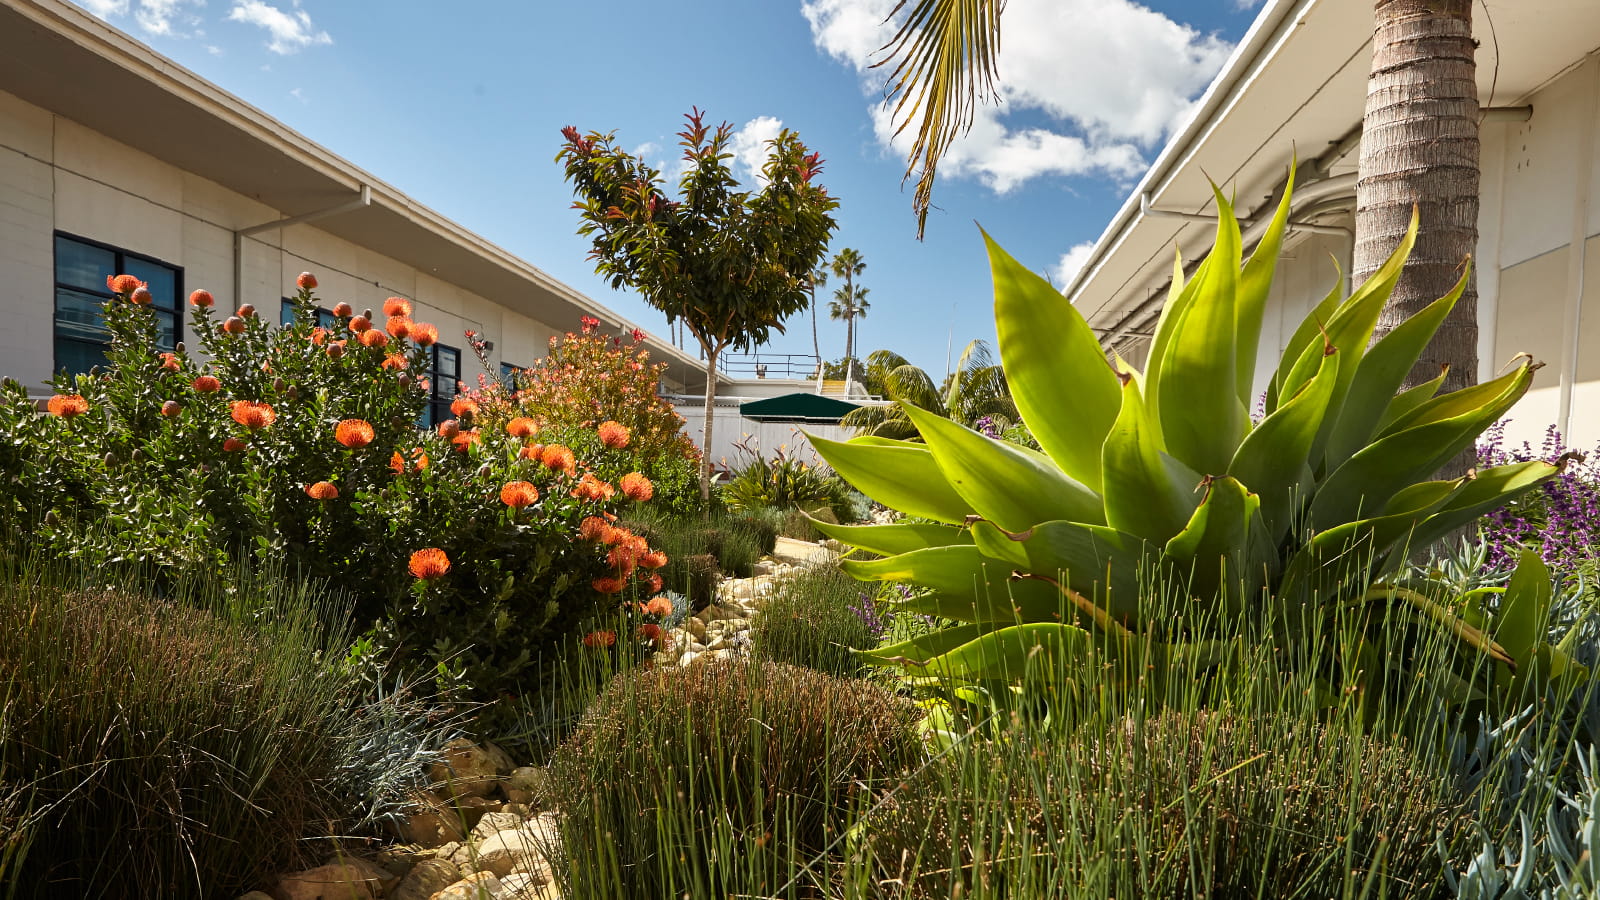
<point>705,435</point>
<point>1419,147</point>
<point>849,350</point>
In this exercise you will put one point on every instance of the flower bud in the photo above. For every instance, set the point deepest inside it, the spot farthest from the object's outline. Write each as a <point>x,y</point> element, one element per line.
<point>137,455</point>
<point>306,281</point>
<point>246,311</point>
<point>292,393</point>
<point>279,385</point>
<point>449,428</point>
<point>51,519</point>
<point>336,349</point>
<point>110,459</point>
<point>484,471</point>
<point>180,347</point>
<point>404,379</point>
<point>234,325</point>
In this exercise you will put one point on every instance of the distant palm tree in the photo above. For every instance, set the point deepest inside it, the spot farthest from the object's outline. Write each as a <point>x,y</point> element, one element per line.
<point>817,279</point>
<point>975,390</point>
<point>849,302</point>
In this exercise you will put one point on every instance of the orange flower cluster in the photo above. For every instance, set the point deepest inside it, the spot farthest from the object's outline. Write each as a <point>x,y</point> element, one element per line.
<point>306,281</point>
<point>207,384</point>
<point>360,324</point>
<point>123,284</point>
<point>462,407</point>
<point>650,631</point>
<point>614,434</point>
<point>374,338</point>
<point>591,488</point>
<point>394,361</point>
<point>464,440</point>
<point>658,606</point>
<point>397,306</point>
<point>519,494</point>
<point>430,563</point>
<point>593,529</point>
<point>419,462</point>
<point>424,334</point>
<point>171,408</point>
<point>522,427</point>
<point>559,458</point>
<point>252,414</point>
<point>142,296</point>
<point>233,325</point>
<point>201,298</point>
<point>609,584</point>
<point>636,487</point>
<point>600,639</point>
<point>398,326</point>
<point>169,361</point>
<point>322,490</point>
<point>354,433</point>
<point>67,406</point>
<point>233,445</point>
<point>343,310</point>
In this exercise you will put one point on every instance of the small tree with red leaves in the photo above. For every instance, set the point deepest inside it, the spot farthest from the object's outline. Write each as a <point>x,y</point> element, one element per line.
<point>733,264</point>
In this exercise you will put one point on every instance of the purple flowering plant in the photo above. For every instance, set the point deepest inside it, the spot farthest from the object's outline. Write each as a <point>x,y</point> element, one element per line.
<point>1560,519</point>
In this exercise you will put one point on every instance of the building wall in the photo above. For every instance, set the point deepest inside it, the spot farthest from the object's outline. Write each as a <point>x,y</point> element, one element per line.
<point>56,175</point>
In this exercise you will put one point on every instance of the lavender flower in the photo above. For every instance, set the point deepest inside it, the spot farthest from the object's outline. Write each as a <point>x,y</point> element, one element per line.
<point>876,620</point>
<point>987,427</point>
<point>1560,520</point>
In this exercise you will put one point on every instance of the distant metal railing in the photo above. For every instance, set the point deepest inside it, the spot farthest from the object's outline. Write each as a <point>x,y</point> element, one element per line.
<point>769,365</point>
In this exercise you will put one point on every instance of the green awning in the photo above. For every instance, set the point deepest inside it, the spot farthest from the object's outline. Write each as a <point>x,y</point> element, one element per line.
<point>796,408</point>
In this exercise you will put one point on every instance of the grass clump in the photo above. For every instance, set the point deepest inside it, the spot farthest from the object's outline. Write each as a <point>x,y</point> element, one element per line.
<point>723,777</point>
<point>813,620</point>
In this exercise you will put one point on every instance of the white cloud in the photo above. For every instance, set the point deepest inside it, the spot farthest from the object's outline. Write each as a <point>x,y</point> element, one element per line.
<point>167,17</point>
<point>1071,263</point>
<point>1112,78</point>
<point>213,49</point>
<point>750,147</point>
<point>105,9</point>
<point>297,94</point>
<point>288,30</point>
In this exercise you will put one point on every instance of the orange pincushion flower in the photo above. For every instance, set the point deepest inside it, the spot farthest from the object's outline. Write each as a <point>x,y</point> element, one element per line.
<point>614,434</point>
<point>207,384</point>
<point>342,309</point>
<point>623,559</point>
<point>449,428</point>
<point>397,463</point>
<point>423,333</point>
<point>650,631</point>
<point>655,559</point>
<point>655,584</point>
<point>395,361</point>
<point>67,405</point>
<point>397,306</point>
<point>123,284</point>
<point>429,563</point>
<point>609,584</point>
<point>319,336</point>
<point>463,407</point>
<point>306,281</point>
<point>618,535</point>
<point>658,606</point>
<point>233,325</point>
<point>522,427</point>
<point>142,296</point>
<point>323,490</point>
<point>518,494</point>
<point>464,441</point>
<point>600,639</point>
<point>636,487</point>
<point>169,361</point>
<point>233,445</point>
<point>372,338</point>
<point>359,324</point>
<point>354,433</point>
<point>253,415</point>
<point>532,452</point>
<point>559,458</point>
<point>398,326</point>
<point>171,408</point>
<point>419,459</point>
<point>591,488</point>
<point>593,529</point>
<point>201,298</point>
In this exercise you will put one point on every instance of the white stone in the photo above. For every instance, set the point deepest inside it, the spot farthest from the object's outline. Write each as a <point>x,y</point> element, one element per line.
<point>425,879</point>
<point>477,886</point>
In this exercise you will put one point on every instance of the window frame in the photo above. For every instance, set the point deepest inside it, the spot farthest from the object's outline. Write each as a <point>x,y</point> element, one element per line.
<point>119,258</point>
<point>438,408</point>
<point>325,317</point>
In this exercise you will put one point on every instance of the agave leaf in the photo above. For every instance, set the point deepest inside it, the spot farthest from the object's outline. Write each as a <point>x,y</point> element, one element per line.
<point>1382,371</point>
<point>1524,613</point>
<point>1307,334</point>
<point>1147,493</point>
<point>898,474</point>
<point>1055,367</point>
<point>967,586</point>
<point>1223,543</point>
<point>1491,489</point>
<point>1457,403</point>
<point>1099,562</point>
<point>922,648</point>
<point>1255,283</point>
<point>1272,459</point>
<point>1202,421</point>
<point>889,540</point>
<point>1005,483</point>
<point>1008,653</point>
<point>1333,556</point>
<point>1409,399</point>
<point>1372,476</point>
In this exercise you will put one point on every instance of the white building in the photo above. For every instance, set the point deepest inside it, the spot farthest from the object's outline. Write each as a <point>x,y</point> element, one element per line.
<point>1297,83</point>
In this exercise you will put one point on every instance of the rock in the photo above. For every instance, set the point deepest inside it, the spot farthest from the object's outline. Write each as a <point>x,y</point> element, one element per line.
<point>519,809</point>
<point>696,628</point>
<point>337,882</point>
<point>527,884</point>
<point>715,655</point>
<point>472,809</point>
<point>516,850</point>
<point>477,886</point>
<point>493,822</point>
<point>427,878</point>
<point>431,827</point>
<point>526,778</point>
<point>448,850</point>
<point>720,643</point>
<point>502,761</point>
<point>688,658</point>
<point>763,567</point>
<point>515,797</point>
<point>466,769</point>
<point>713,613</point>
<point>255,895</point>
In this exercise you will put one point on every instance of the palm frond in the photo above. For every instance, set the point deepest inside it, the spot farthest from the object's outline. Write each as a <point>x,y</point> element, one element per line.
<point>943,58</point>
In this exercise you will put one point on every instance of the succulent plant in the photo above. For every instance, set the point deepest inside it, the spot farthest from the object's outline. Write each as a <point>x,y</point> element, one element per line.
<point>1158,481</point>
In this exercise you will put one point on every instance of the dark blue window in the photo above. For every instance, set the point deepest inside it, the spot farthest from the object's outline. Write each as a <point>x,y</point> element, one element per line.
<point>82,267</point>
<point>325,318</point>
<point>442,378</point>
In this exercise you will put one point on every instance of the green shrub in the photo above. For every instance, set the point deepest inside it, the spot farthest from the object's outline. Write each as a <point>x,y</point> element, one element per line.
<point>1176,805</point>
<point>762,526</point>
<point>717,778</point>
<point>176,747</point>
<point>777,482</point>
<point>812,621</point>
<point>700,574</point>
<point>299,447</point>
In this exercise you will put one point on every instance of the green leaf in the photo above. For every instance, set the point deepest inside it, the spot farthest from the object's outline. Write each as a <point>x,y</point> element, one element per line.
<point>1147,492</point>
<point>899,475</point>
<point>1307,334</point>
<point>1010,485</point>
<point>1008,653</point>
<point>1349,548</point>
<point>1491,489</point>
<point>889,540</point>
<point>1255,283</point>
<point>1382,371</point>
<point>1055,367</point>
<point>923,647</point>
<point>1100,563</point>
<point>1224,543</point>
<point>1524,613</point>
<point>1272,459</point>
<point>1409,399</point>
<point>1202,418</point>
<point>966,585</point>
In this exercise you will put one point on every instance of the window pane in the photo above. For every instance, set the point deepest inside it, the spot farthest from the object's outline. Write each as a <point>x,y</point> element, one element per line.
<point>78,357</point>
<point>78,316</point>
<point>447,364</point>
<point>82,265</point>
<point>162,281</point>
<point>285,313</point>
<point>166,329</point>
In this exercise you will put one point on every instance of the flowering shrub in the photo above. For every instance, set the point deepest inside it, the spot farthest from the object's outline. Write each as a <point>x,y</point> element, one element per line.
<point>1560,520</point>
<point>597,394</point>
<point>299,446</point>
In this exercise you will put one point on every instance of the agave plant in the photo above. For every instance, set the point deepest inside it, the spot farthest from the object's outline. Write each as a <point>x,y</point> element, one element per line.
<point>1159,481</point>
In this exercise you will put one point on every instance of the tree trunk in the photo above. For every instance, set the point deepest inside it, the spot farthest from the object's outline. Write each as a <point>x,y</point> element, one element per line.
<point>1419,147</point>
<point>705,436</point>
<point>816,345</point>
<point>849,349</point>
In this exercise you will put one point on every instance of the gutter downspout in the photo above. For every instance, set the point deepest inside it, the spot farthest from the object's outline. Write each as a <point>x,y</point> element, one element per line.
<point>364,199</point>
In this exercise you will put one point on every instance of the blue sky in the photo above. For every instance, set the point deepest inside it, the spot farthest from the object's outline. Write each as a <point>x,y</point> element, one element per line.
<point>461,106</point>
